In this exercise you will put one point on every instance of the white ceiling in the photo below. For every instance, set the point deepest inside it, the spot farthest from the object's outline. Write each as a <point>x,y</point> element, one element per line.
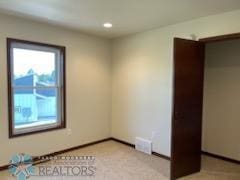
<point>127,16</point>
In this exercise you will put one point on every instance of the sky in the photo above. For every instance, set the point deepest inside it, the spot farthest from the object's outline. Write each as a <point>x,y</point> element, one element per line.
<point>41,62</point>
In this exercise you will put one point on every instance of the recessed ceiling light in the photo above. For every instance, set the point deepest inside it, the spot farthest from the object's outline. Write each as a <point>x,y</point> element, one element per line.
<point>107,25</point>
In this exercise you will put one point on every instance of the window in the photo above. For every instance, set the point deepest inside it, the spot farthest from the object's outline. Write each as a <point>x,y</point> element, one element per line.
<point>36,76</point>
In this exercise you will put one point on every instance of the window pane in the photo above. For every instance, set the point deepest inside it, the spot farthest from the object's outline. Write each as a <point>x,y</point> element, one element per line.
<point>33,68</point>
<point>37,87</point>
<point>34,107</point>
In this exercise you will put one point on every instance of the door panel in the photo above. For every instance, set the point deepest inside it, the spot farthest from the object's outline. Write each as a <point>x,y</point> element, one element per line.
<point>187,107</point>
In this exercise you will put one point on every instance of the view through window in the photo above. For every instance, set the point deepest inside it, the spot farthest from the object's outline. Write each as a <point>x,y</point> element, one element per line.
<point>37,84</point>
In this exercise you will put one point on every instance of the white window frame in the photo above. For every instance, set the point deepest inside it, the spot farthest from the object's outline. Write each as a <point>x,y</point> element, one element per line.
<point>59,86</point>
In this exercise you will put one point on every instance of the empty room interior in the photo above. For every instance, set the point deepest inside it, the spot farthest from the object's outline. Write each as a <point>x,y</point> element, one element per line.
<point>120,90</point>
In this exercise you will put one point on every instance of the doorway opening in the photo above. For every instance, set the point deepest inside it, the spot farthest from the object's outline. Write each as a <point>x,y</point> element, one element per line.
<point>206,99</point>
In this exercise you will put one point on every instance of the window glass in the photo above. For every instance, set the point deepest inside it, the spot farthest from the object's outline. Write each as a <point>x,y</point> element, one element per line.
<point>36,87</point>
<point>32,62</point>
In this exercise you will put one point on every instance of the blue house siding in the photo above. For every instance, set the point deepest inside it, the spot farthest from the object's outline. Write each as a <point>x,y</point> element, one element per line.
<point>33,105</point>
<point>47,108</point>
<point>46,93</point>
<point>24,108</point>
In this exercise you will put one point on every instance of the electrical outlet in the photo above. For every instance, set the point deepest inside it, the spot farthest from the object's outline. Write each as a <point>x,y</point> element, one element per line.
<point>156,134</point>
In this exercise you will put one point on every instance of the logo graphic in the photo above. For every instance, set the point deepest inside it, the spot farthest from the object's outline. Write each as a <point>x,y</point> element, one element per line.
<point>21,166</point>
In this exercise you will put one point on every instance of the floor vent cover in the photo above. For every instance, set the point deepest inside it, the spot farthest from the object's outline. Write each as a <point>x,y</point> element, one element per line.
<point>143,145</point>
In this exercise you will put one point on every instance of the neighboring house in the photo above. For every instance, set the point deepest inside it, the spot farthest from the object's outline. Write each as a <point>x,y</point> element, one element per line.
<point>32,105</point>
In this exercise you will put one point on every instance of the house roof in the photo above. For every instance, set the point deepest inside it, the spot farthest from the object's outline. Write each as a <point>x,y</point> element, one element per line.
<point>32,80</point>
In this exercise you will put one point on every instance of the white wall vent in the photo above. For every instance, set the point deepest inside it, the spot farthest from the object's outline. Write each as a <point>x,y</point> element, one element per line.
<point>143,145</point>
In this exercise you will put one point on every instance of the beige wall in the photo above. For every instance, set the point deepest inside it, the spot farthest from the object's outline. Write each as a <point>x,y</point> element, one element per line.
<point>141,72</point>
<point>221,122</point>
<point>88,89</point>
<point>142,77</point>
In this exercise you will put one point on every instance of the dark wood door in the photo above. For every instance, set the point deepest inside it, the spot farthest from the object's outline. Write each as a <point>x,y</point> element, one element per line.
<point>187,107</point>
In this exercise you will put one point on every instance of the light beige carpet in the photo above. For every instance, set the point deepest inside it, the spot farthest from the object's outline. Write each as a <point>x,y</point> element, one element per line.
<point>215,169</point>
<point>115,161</point>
